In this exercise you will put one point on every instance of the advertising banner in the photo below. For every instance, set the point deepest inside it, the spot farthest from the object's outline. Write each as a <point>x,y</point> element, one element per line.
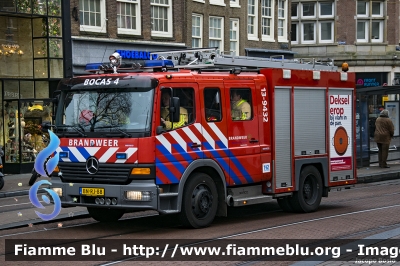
<point>340,129</point>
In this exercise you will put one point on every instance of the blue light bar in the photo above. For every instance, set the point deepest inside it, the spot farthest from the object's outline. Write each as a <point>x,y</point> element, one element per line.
<point>158,63</point>
<point>93,67</point>
<point>121,155</point>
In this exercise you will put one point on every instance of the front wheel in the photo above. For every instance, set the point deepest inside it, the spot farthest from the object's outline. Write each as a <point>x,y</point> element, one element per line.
<point>199,202</point>
<point>105,215</point>
<point>308,198</point>
<point>1,182</point>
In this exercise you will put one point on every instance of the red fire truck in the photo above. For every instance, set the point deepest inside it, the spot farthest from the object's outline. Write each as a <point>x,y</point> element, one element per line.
<point>239,131</point>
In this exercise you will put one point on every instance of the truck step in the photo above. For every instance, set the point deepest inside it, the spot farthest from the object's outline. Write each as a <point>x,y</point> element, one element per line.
<point>168,194</point>
<point>243,201</point>
<point>169,211</point>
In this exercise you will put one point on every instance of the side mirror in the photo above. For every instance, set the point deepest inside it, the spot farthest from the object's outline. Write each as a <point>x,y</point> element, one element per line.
<point>160,130</point>
<point>174,109</point>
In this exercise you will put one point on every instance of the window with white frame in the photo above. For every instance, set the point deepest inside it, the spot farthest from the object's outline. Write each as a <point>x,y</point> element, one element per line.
<point>308,32</point>
<point>92,15</point>
<point>370,21</point>
<point>295,10</point>
<point>216,33</point>
<point>312,22</point>
<point>252,19</point>
<point>217,2</point>
<point>234,36</point>
<point>234,3</point>
<point>128,17</point>
<point>308,10</point>
<point>197,31</point>
<point>282,20</point>
<point>267,20</point>
<point>294,33</point>
<point>161,18</point>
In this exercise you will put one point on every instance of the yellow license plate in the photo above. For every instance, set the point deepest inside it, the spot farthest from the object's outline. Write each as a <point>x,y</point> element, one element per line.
<point>92,191</point>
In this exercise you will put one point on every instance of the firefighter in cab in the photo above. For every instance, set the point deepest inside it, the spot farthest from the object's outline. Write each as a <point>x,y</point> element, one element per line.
<point>165,117</point>
<point>240,108</point>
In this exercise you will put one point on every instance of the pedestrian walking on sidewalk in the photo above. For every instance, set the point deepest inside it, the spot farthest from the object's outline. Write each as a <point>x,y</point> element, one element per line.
<point>384,130</point>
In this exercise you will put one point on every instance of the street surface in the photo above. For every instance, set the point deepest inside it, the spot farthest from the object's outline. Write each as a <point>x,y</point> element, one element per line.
<point>371,209</point>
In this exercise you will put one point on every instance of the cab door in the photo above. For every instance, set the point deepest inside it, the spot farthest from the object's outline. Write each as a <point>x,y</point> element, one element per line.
<point>213,124</point>
<point>178,147</point>
<point>243,133</point>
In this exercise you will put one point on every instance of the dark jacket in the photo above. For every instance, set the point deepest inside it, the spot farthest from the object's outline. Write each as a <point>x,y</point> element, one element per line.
<point>384,129</point>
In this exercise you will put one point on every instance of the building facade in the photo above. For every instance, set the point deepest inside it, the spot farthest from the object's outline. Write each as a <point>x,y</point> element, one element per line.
<point>365,34</point>
<point>43,41</point>
<point>32,63</point>
<point>136,27</point>
<point>239,27</point>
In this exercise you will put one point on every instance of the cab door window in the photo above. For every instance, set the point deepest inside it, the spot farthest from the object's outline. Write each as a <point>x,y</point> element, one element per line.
<point>212,103</point>
<point>241,108</point>
<point>187,108</point>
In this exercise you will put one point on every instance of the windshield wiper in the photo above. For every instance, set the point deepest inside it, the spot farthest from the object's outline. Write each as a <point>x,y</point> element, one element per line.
<point>81,133</point>
<point>119,130</point>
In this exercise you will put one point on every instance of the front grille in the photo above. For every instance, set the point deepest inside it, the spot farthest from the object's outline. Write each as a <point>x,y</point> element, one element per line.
<point>107,173</point>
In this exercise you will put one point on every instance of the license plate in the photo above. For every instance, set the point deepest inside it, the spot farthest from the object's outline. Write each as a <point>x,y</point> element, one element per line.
<point>92,191</point>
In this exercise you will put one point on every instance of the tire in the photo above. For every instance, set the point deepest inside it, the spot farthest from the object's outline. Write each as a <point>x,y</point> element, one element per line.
<point>1,182</point>
<point>33,178</point>
<point>285,205</point>
<point>308,198</point>
<point>199,202</point>
<point>105,215</point>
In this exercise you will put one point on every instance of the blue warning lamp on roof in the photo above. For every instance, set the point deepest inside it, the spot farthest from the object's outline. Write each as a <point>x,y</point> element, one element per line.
<point>116,65</point>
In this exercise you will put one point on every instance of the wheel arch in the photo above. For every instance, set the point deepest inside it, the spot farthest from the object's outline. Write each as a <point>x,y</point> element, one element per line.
<point>320,163</point>
<point>211,168</point>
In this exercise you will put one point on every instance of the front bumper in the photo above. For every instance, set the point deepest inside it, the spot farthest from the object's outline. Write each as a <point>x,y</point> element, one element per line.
<point>72,197</point>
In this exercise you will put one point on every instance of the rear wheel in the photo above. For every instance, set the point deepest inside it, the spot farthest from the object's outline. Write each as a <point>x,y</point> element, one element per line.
<point>1,182</point>
<point>105,215</point>
<point>308,198</point>
<point>199,202</point>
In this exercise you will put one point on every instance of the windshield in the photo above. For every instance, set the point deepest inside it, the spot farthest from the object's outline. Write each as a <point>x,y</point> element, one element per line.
<point>108,110</point>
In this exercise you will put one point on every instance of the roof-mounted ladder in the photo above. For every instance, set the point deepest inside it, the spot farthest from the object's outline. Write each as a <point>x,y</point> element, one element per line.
<point>211,57</point>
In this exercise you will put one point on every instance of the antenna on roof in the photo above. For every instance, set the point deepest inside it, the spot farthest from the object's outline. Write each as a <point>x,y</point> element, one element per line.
<point>102,60</point>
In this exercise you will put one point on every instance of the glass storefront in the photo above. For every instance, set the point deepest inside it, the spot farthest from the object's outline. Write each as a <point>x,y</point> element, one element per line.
<point>31,64</point>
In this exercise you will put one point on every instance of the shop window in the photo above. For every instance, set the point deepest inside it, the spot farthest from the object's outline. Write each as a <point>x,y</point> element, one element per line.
<point>396,80</point>
<point>40,68</point>
<point>31,115</point>
<point>27,89</point>
<point>11,130</point>
<point>1,120</point>
<point>56,68</point>
<point>41,89</point>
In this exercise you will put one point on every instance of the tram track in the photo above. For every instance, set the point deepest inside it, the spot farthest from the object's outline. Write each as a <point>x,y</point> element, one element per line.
<point>326,202</point>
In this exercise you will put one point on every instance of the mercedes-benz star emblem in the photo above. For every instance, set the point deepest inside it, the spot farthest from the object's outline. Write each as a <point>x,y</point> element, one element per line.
<point>92,165</point>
